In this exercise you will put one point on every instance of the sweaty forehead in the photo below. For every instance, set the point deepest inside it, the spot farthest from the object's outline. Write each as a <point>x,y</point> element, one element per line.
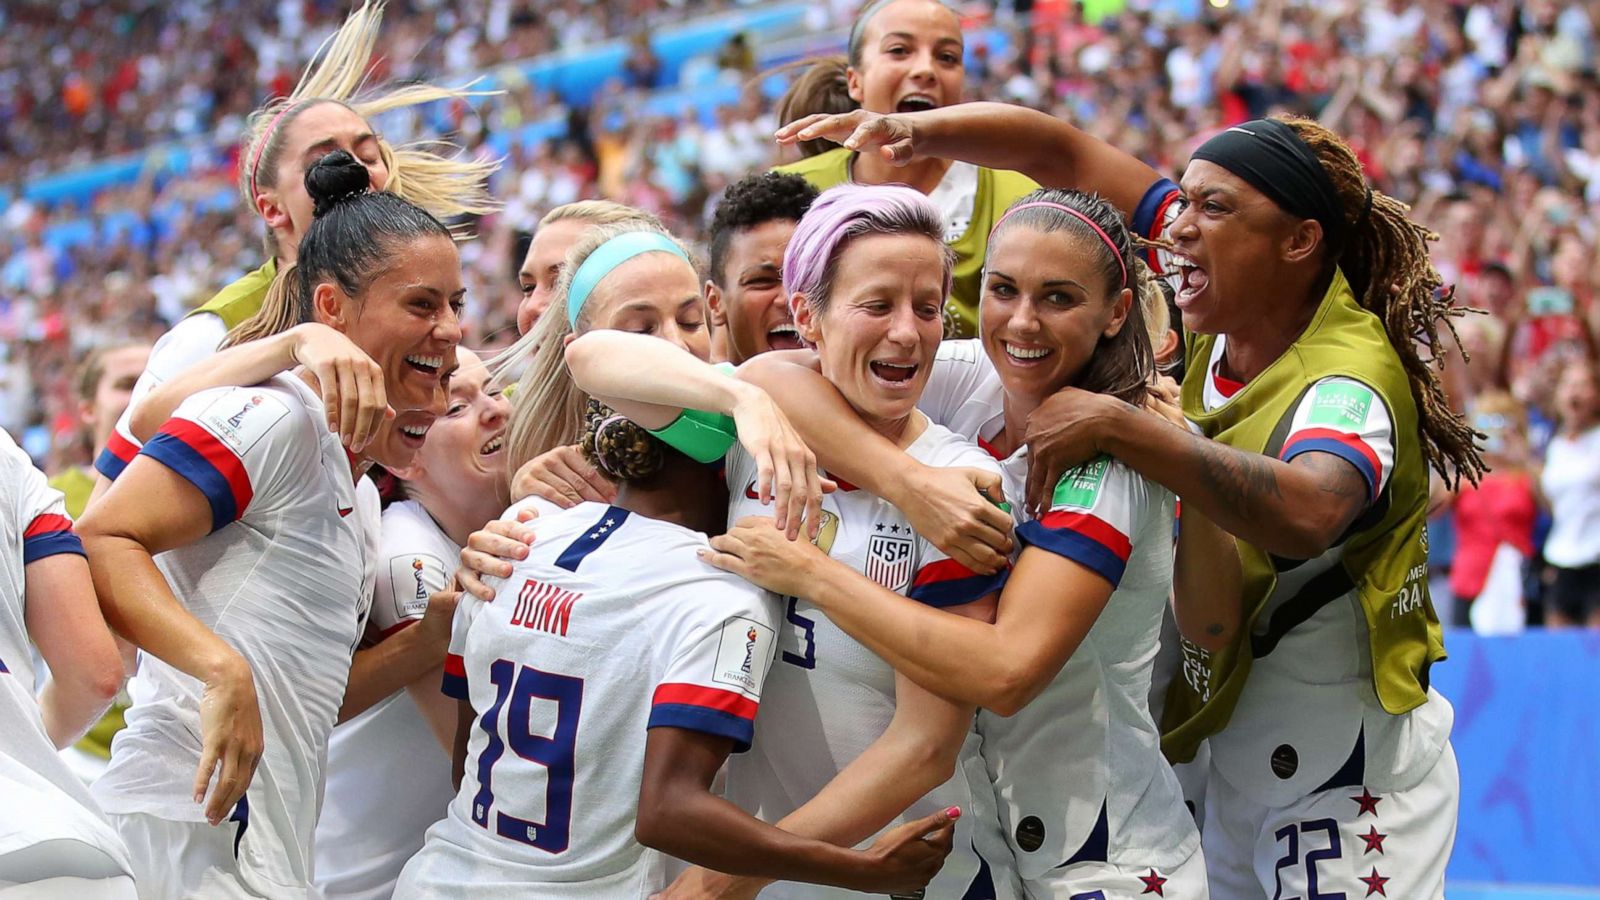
<point>921,18</point>
<point>658,278</point>
<point>322,121</point>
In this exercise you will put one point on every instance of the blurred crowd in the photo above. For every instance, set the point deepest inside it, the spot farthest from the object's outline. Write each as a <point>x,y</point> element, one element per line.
<point>1484,116</point>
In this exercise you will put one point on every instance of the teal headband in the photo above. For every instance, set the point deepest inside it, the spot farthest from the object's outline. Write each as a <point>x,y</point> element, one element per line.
<point>608,256</point>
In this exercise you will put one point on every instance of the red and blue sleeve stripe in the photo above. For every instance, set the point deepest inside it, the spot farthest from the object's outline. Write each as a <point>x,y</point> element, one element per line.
<point>208,464</point>
<point>115,457</point>
<point>1151,213</point>
<point>1085,539</point>
<point>949,583</point>
<point>48,535</point>
<point>455,678</point>
<point>1343,444</point>
<point>708,710</point>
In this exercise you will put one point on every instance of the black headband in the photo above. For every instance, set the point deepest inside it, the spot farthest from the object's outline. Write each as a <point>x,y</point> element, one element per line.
<point>1275,161</point>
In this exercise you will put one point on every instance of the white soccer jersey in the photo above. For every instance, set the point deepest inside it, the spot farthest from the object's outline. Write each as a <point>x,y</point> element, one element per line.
<point>388,778</point>
<point>1078,773</point>
<point>285,577</point>
<point>611,626</point>
<point>42,799</point>
<point>829,697</point>
<point>193,339</point>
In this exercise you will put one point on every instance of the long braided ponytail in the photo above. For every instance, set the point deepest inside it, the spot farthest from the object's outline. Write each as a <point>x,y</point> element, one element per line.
<point>1386,261</point>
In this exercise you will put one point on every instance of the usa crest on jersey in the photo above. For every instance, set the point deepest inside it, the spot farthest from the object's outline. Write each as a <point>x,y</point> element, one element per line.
<point>890,561</point>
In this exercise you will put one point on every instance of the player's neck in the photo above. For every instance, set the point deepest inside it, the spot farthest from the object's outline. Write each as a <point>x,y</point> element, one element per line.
<point>685,493</point>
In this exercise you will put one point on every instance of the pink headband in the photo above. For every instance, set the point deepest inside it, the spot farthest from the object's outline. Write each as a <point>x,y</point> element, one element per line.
<point>261,148</point>
<point>1075,214</point>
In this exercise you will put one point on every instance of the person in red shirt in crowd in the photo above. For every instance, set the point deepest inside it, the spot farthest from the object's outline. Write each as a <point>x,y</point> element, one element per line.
<point>1501,509</point>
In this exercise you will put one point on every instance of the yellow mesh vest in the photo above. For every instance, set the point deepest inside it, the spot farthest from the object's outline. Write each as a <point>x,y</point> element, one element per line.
<point>1385,558</point>
<point>241,299</point>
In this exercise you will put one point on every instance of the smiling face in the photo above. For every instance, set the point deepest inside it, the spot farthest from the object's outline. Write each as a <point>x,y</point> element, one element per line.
<point>463,459</point>
<point>751,305</point>
<point>654,293</point>
<point>911,59</point>
<point>1230,240</point>
<point>407,321</point>
<point>1046,305</point>
<point>542,266</point>
<point>877,338</point>
<point>313,133</point>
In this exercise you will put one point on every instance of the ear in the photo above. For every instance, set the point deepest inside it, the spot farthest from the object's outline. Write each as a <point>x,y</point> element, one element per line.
<point>1170,344</point>
<point>568,338</point>
<point>805,319</point>
<point>718,315</point>
<point>86,413</point>
<point>331,306</point>
<point>852,80</point>
<point>1303,241</point>
<point>1119,313</point>
<point>275,214</point>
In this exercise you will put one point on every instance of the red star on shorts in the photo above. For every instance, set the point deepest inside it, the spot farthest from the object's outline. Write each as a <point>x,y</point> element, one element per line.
<point>1374,840</point>
<point>1368,803</point>
<point>1375,883</point>
<point>1153,883</point>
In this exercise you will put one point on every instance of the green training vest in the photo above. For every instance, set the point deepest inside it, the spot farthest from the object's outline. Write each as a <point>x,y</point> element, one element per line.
<point>241,299</point>
<point>997,189</point>
<point>1385,558</point>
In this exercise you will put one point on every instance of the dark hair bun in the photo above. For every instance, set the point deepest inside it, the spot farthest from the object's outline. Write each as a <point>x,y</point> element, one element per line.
<point>335,177</point>
<point>619,448</point>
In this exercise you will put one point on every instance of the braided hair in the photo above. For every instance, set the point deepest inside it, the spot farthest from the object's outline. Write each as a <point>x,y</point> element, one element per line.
<point>1385,259</point>
<point>619,447</point>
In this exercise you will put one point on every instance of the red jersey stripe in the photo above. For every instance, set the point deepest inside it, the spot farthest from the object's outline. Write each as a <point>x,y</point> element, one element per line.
<point>225,461</point>
<point>1093,527</point>
<point>710,698</point>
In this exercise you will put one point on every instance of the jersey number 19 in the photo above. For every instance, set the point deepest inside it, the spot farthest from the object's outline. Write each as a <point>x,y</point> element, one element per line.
<point>515,691</point>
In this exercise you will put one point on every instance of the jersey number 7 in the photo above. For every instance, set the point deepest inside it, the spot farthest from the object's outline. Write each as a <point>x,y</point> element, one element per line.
<point>514,692</point>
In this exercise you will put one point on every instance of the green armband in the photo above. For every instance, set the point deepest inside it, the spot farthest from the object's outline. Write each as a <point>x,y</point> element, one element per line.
<point>702,436</point>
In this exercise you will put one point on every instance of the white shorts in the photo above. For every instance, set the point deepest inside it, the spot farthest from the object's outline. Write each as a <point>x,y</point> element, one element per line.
<point>1105,881</point>
<point>444,869</point>
<point>1350,840</point>
<point>184,860</point>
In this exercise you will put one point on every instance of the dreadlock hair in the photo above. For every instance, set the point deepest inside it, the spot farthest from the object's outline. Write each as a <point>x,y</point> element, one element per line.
<point>355,233</point>
<point>1123,364</point>
<point>548,409</point>
<point>617,446</point>
<point>1385,259</point>
<point>444,186</point>
<point>752,201</point>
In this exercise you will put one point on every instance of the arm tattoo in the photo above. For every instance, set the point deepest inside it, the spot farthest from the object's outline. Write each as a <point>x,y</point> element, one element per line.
<point>1335,477</point>
<point>1214,629</point>
<point>1240,479</point>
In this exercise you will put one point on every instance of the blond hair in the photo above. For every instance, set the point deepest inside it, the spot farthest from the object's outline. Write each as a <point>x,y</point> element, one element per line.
<point>444,186</point>
<point>548,408</point>
<point>599,212</point>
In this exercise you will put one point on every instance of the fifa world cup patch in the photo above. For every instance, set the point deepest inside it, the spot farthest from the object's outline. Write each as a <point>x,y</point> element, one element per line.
<point>1340,404</point>
<point>744,651</point>
<point>241,418</point>
<point>1081,486</point>
<point>412,577</point>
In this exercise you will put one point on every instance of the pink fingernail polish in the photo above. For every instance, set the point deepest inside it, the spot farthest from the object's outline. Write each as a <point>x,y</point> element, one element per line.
<point>953,812</point>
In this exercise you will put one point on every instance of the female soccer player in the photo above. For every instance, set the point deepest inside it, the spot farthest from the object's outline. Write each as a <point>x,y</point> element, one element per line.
<point>247,622</point>
<point>908,55</point>
<point>54,841</point>
<point>1311,296</point>
<point>368,829</point>
<point>283,139</point>
<point>1068,752</point>
<point>868,271</point>
<point>602,693</point>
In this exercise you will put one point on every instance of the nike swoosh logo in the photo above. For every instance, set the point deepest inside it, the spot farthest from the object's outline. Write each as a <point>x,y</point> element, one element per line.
<point>750,491</point>
<point>346,510</point>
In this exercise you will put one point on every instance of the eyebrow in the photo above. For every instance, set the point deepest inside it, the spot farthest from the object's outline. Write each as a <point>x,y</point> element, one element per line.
<point>763,268</point>
<point>908,36</point>
<point>1054,282</point>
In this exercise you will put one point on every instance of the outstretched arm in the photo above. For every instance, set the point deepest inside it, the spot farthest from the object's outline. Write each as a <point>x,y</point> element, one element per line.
<point>351,383</point>
<point>951,507</point>
<point>1047,607</point>
<point>652,382</point>
<point>680,816</point>
<point>153,509</point>
<point>996,135</point>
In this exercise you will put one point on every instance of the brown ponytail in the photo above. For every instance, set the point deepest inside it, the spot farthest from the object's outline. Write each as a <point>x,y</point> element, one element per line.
<point>820,87</point>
